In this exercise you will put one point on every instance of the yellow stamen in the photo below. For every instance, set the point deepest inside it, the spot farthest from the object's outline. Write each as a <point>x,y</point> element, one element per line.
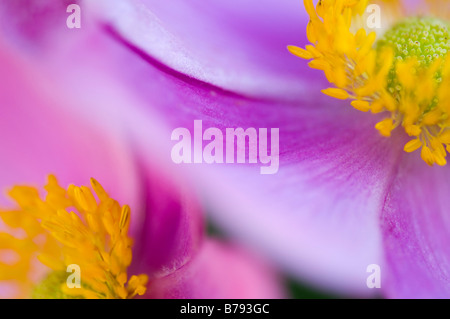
<point>70,227</point>
<point>336,93</point>
<point>412,145</point>
<point>363,106</point>
<point>405,73</point>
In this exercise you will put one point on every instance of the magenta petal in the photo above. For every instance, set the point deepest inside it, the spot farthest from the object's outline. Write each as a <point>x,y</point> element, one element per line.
<point>39,137</point>
<point>166,220</point>
<point>172,229</point>
<point>416,234</point>
<point>35,25</point>
<point>236,45</point>
<point>219,271</point>
<point>318,216</point>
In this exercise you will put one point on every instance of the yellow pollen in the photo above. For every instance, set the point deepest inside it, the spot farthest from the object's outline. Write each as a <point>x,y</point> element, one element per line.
<point>69,227</point>
<point>404,74</point>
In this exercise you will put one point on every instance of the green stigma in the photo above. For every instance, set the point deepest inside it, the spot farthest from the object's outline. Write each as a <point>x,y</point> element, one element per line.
<point>50,287</point>
<point>425,39</point>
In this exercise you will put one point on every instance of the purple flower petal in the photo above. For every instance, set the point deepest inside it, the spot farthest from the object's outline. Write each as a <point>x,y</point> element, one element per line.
<point>236,45</point>
<point>415,224</point>
<point>219,271</point>
<point>173,226</point>
<point>41,136</point>
<point>318,216</point>
<point>36,25</point>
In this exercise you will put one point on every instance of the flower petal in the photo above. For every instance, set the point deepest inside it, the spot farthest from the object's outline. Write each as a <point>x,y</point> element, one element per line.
<point>173,226</point>
<point>39,137</point>
<point>416,225</point>
<point>318,216</point>
<point>37,25</point>
<point>236,45</point>
<point>167,222</point>
<point>220,271</point>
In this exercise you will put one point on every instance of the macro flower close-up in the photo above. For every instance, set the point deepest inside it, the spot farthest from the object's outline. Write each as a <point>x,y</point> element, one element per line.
<point>403,70</point>
<point>139,233</point>
<point>312,135</point>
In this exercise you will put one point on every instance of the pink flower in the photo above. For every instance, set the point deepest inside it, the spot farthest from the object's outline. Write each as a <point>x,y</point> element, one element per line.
<point>40,137</point>
<point>344,197</point>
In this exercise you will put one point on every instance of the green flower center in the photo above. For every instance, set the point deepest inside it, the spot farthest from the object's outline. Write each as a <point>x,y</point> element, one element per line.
<point>50,287</point>
<point>425,39</point>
